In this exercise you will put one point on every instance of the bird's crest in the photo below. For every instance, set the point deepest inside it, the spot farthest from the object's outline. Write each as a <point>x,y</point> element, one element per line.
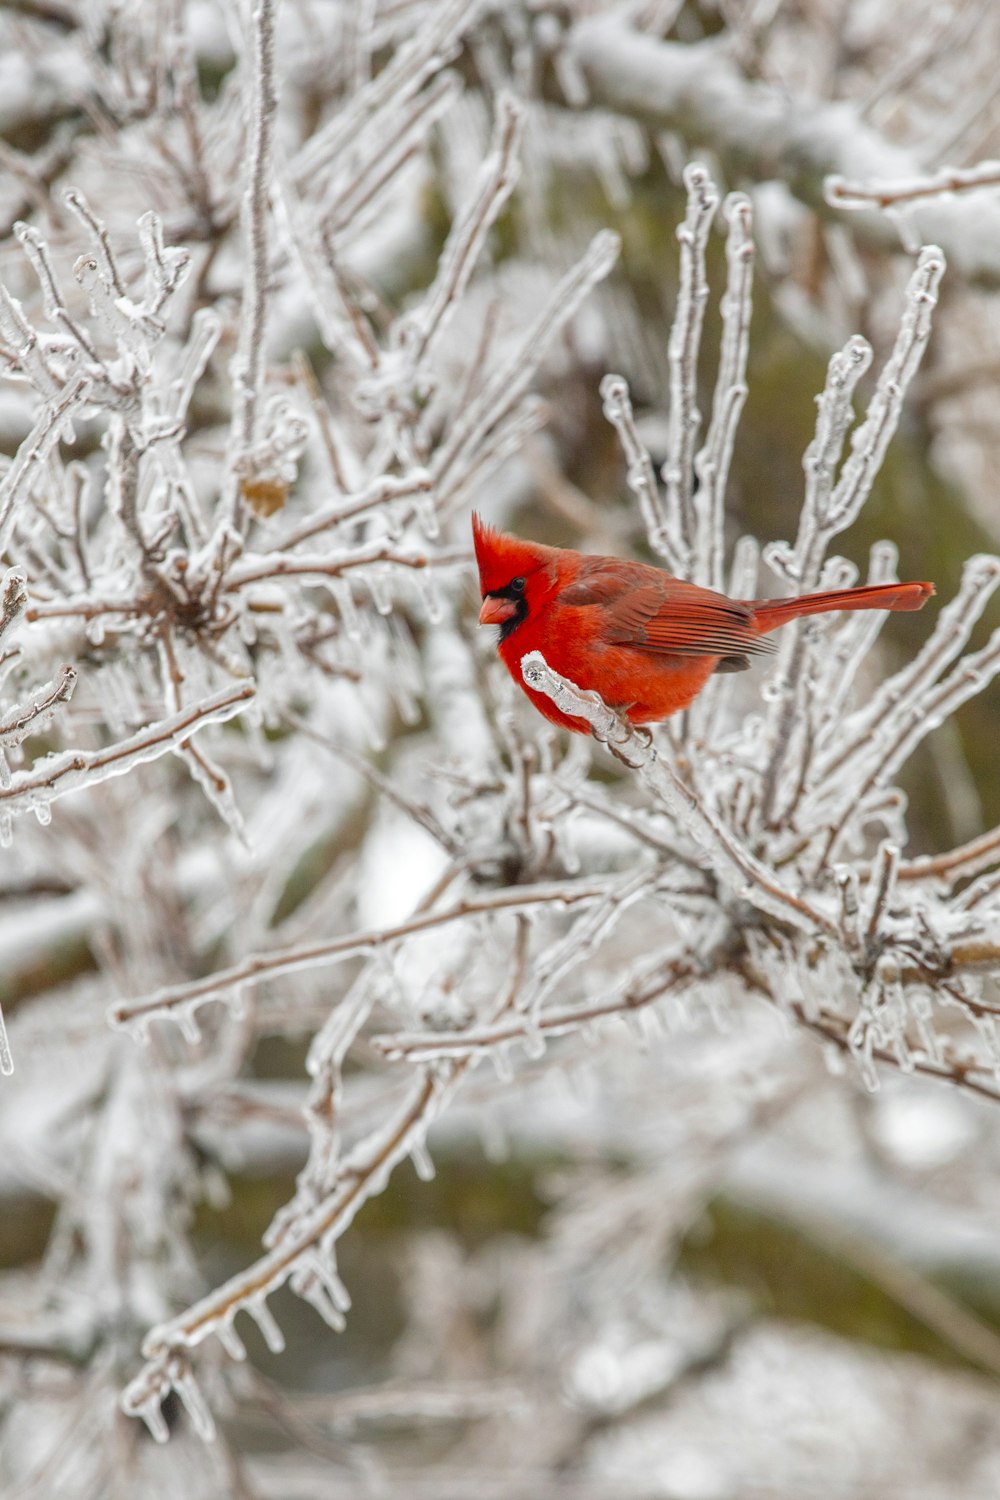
<point>502,557</point>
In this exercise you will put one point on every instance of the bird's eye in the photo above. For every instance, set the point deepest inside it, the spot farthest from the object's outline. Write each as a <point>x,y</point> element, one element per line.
<point>518,583</point>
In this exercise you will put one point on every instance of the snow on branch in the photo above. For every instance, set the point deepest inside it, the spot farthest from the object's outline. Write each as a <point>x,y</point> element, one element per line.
<point>698,90</point>
<point>682,354</point>
<point>499,398</point>
<point>733,862</point>
<point>186,998</point>
<point>881,949</point>
<point>687,530</point>
<point>468,233</point>
<point>261,107</point>
<point>832,504</point>
<point>711,464</point>
<point>844,193</point>
<point>75,770</point>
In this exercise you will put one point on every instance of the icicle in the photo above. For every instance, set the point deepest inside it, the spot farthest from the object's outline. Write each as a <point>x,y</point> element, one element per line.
<point>43,811</point>
<point>246,626</point>
<point>229,1338</point>
<point>406,680</point>
<point>861,1035</point>
<point>318,1283</point>
<point>679,1014</point>
<point>395,518</point>
<point>428,593</point>
<point>138,1030</point>
<point>866,1062</point>
<point>425,506</point>
<point>651,1024</point>
<point>568,854</point>
<point>502,1065</point>
<point>368,714</point>
<point>379,581</point>
<point>534,1041</point>
<point>187,1019</point>
<point>347,609</point>
<point>987,1029</point>
<point>6,1061</point>
<point>833,1060</point>
<point>194,1402</point>
<point>151,1413</point>
<point>423,1165</point>
<point>634,1025</point>
<point>6,830</point>
<point>893,1011</point>
<point>264,1318</point>
<point>336,1287</point>
<point>922,1011</point>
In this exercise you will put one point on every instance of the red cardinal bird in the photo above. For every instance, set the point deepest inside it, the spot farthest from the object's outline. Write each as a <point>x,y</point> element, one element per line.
<point>646,641</point>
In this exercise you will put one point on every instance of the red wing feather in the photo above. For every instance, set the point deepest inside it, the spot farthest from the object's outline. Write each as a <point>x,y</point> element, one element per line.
<point>649,610</point>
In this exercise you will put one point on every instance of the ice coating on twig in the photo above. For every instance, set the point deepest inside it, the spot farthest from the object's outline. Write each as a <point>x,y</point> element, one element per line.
<point>685,342</point>
<point>711,464</point>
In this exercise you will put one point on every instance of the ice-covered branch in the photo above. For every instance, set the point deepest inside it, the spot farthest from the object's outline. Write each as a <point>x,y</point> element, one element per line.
<point>902,705</point>
<point>248,366</point>
<point>384,491</point>
<point>733,862</point>
<point>842,192</point>
<point>663,526</point>
<point>830,506</point>
<point>73,770</point>
<point>188,997</point>
<point>672,975</point>
<point>31,716</point>
<point>868,447</point>
<point>712,464</point>
<point>305,565</point>
<point>13,600</point>
<point>682,352</point>
<point>468,233</point>
<point>307,1250</point>
<point>33,452</point>
<point>507,385</point>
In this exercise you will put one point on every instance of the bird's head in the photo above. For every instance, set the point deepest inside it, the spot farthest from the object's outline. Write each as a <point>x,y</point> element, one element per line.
<point>513,575</point>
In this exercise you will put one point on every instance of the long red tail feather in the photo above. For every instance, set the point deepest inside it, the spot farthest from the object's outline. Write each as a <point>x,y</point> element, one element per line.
<point>768,614</point>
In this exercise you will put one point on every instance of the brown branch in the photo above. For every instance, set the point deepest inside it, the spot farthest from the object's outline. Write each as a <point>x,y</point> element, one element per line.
<point>964,860</point>
<point>318,566</point>
<point>75,769</point>
<point>841,192</point>
<point>263,966</point>
<point>427,1046</point>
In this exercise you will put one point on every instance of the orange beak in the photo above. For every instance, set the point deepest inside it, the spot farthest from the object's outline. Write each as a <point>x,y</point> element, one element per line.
<point>496,611</point>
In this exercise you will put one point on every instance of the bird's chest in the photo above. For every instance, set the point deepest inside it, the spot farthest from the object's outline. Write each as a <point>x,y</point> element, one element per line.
<point>645,685</point>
